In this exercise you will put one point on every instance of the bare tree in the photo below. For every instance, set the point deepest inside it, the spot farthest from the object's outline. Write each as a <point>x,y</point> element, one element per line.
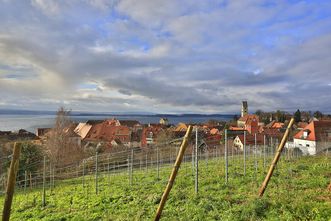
<point>164,137</point>
<point>61,145</point>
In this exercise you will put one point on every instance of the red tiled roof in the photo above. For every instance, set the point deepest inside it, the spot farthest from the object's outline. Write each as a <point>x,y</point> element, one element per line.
<point>278,125</point>
<point>272,132</point>
<point>108,132</point>
<point>317,131</point>
<point>248,116</point>
<point>214,131</point>
<point>250,139</point>
<point>236,128</point>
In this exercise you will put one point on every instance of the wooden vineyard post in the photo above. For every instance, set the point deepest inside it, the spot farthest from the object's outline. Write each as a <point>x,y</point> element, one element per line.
<point>173,173</point>
<point>276,158</point>
<point>11,182</point>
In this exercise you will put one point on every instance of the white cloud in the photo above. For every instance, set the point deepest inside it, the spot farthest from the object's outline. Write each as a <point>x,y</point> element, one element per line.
<point>48,7</point>
<point>165,55</point>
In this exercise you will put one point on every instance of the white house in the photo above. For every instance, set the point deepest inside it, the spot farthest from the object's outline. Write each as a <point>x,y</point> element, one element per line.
<point>250,140</point>
<point>314,138</point>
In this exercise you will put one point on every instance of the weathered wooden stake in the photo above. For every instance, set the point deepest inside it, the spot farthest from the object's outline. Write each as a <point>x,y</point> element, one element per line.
<point>173,174</point>
<point>11,182</point>
<point>276,158</point>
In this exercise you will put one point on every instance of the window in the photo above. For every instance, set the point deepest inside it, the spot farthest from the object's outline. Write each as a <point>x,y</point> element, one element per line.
<point>307,145</point>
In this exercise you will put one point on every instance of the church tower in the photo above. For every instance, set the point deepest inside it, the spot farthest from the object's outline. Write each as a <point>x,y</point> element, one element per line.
<point>244,108</point>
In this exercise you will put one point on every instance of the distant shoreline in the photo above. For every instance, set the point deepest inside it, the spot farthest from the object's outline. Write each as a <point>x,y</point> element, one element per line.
<point>78,113</point>
<point>30,121</point>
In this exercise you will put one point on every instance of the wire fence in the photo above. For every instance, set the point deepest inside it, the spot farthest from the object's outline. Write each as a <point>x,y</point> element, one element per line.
<point>147,166</point>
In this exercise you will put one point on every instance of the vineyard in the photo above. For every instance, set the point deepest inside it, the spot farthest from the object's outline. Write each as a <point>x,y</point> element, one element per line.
<point>216,184</point>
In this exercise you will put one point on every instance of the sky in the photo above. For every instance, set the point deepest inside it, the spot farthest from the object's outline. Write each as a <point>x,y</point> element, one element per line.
<point>165,56</point>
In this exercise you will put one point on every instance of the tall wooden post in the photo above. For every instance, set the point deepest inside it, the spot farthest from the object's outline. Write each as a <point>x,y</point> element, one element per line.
<point>173,174</point>
<point>276,158</point>
<point>11,182</point>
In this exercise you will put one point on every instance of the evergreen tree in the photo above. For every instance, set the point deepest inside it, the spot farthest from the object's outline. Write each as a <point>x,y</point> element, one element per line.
<point>318,114</point>
<point>297,116</point>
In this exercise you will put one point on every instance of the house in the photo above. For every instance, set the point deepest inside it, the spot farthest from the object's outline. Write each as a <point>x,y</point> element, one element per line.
<point>275,124</point>
<point>252,125</point>
<point>68,135</point>
<point>17,135</point>
<point>82,129</point>
<point>42,131</point>
<point>181,127</point>
<point>164,121</point>
<point>127,123</point>
<point>272,133</point>
<point>301,125</point>
<point>314,138</point>
<point>212,140</point>
<point>214,131</point>
<point>73,138</point>
<point>236,128</point>
<point>149,135</point>
<point>242,121</point>
<point>106,132</point>
<point>250,140</point>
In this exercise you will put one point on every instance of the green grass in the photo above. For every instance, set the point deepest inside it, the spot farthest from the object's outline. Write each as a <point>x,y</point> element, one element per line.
<point>297,191</point>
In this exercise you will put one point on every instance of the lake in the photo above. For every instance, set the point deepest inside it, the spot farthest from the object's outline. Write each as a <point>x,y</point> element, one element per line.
<point>30,122</point>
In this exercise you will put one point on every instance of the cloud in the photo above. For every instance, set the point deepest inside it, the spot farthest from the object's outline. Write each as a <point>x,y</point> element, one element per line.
<point>165,56</point>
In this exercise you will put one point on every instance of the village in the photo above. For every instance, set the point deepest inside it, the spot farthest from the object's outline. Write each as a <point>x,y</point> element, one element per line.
<point>308,137</point>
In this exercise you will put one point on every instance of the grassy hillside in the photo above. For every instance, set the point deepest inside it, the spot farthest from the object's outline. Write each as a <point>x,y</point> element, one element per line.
<point>297,191</point>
